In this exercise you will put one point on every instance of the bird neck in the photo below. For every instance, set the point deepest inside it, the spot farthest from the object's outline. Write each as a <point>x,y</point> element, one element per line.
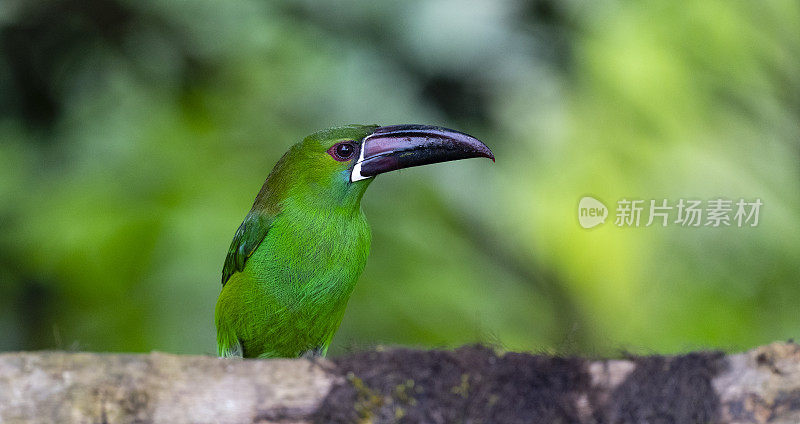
<point>342,199</point>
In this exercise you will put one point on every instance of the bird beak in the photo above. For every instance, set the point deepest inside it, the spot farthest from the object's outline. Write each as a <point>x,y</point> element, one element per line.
<point>403,146</point>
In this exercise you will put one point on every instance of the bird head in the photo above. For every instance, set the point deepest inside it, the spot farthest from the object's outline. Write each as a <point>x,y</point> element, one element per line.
<point>336,165</point>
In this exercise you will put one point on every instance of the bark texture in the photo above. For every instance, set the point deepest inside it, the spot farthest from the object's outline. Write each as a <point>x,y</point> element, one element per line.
<point>472,384</point>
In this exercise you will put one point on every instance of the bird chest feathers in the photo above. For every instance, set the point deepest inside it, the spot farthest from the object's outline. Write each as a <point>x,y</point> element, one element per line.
<point>311,260</point>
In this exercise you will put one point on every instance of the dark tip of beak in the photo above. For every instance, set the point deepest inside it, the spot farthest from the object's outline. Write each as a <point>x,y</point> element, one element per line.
<point>402,146</point>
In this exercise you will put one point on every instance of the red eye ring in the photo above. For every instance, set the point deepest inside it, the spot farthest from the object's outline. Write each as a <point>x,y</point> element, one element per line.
<point>343,151</point>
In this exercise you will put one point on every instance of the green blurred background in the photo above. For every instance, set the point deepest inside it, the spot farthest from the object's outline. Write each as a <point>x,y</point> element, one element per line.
<point>134,136</point>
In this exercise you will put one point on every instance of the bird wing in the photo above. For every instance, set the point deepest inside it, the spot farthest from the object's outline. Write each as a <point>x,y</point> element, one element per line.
<point>246,240</point>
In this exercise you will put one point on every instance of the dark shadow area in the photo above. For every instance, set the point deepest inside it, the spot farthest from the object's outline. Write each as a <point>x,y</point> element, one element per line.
<point>474,384</point>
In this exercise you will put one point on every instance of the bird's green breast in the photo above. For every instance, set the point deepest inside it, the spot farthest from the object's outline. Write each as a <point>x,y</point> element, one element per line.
<point>292,293</point>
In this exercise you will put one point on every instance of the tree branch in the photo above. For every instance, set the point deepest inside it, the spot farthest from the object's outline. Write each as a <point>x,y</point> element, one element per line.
<point>470,384</point>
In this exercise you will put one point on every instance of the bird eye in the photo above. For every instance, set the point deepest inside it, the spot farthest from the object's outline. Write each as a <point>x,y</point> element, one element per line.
<point>342,151</point>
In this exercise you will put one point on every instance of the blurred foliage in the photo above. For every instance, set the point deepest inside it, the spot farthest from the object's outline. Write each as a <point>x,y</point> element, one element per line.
<point>135,134</point>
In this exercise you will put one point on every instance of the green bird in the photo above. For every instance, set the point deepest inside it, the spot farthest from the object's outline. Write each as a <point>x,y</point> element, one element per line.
<point>297,255</point>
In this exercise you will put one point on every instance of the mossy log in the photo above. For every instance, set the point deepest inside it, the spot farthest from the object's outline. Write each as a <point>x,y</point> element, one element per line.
<point>468,385</point>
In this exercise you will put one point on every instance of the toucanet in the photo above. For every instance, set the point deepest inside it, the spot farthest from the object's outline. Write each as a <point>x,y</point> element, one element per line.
<point>297,255</point>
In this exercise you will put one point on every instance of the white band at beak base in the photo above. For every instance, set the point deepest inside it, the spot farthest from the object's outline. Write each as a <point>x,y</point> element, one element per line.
<point>355,175</point>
